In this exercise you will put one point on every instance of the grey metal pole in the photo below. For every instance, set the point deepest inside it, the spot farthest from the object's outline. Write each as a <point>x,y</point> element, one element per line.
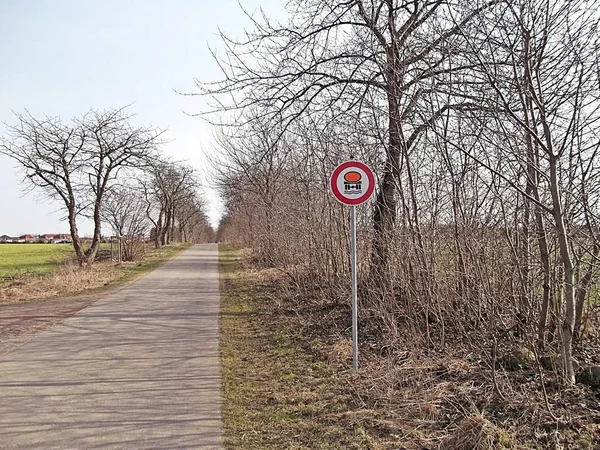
<point>120,249</point>
<point>354,295</point>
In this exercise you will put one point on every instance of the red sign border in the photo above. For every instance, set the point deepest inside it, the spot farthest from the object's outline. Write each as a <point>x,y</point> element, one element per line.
<point>336,173</point>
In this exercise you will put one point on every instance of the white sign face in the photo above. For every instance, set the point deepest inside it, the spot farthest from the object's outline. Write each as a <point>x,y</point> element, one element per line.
<point>352,183</point>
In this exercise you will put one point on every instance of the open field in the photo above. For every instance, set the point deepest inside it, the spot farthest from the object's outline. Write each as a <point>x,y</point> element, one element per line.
<point>17,259</point>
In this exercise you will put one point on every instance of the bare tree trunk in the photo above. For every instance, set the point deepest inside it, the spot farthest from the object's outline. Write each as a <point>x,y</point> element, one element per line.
<point>583,288</point>
<point>384,218</point>
<point>525,251</point>
<point>81,260</point>
<point>167,227</point>
<point>75,238</point>
<point>563,244</point>
<point>93,250</point>
<point>533,189</point>
<point>172,230</point>
<point>158,230</point>
<point>546,293</point>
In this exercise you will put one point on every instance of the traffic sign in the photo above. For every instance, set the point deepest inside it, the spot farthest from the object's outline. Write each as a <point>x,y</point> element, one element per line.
<point>352,183</point>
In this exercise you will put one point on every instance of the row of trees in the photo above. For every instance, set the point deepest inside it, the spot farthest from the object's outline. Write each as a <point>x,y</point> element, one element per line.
<point>104,168</point>
<point>482,122</point>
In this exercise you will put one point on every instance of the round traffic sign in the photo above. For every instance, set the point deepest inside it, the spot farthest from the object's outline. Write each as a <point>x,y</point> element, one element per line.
<point>352,183</point>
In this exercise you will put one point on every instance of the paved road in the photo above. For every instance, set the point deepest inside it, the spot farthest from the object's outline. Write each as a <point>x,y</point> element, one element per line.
<point>137,370</point>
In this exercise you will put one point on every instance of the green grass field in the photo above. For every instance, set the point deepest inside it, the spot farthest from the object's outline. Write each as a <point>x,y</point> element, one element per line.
<point>16,259</point>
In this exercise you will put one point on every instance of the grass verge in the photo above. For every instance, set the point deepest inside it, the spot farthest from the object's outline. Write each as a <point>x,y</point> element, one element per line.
<point>276,394</point>
<point>69,279</point>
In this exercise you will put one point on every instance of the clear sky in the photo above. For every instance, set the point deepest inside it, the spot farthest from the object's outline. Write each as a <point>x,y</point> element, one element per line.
<point>63,57</point>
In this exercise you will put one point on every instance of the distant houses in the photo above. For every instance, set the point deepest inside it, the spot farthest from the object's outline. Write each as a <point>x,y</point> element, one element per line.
<point>35,238</point>
<point>4,239</point>
<point>57,238</point>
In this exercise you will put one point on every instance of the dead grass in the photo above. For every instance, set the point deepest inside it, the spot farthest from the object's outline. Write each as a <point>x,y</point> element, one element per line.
<point>477,433</point>
<point>277,396</point>
<point>286,356</point>
<point>70,279</point>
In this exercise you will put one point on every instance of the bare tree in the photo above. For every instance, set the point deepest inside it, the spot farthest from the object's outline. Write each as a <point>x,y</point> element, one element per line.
<point>114,144</point>
<point>51,157</point>
<point>254,160</point>
<point>78,163</point>
<point>338,55</point>
<point>124,210</point>
<point>547,87</point>
<point>169,190</point>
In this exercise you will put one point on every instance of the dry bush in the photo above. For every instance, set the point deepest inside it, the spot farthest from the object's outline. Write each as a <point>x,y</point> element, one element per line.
<point>419,396</point>
<point>134,248</point>
<point>451,286</point>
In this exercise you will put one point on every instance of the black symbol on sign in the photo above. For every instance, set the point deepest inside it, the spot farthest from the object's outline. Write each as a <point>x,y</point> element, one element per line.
<point>352,183</point>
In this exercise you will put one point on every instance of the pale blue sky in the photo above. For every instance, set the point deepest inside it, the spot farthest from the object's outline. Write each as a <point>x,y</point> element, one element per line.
<point>63,57</point>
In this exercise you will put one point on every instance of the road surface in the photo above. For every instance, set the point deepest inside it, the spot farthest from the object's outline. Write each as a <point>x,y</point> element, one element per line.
<point>138,369</point>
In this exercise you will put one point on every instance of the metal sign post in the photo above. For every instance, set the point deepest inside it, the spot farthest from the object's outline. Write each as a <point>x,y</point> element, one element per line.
<point>352,183</point>
<point>354,294</point>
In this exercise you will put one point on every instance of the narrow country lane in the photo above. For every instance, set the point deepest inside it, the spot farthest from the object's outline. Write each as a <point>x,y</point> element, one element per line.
<point>138,369</point>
